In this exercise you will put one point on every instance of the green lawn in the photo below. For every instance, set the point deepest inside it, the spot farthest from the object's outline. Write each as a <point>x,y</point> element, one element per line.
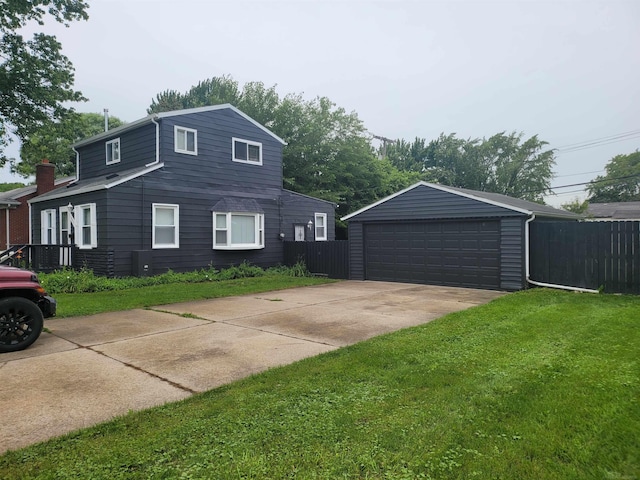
<point>535,385</point>
<point>74,304</point>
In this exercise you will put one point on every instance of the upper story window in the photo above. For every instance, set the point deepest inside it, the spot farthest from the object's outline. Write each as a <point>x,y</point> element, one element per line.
<point>185,140</point>
<point>238,231</point>
<point>87,232</point>
<point>166,226</point>
<point>321,226</point>
<point>113,151</point>
<point>247,151</point>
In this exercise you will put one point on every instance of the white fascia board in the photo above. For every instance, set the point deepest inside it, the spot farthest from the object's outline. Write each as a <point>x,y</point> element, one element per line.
<point>444,189</point>
<point>224,106</point>
<point>96,187</point>
<point>379,202</point>
<point>174,113</point>
<point>114,131</point>
<point>479,199</point>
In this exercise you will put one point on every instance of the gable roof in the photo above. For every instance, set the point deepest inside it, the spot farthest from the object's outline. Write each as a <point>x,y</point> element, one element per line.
<point>99,183</point>
<point>515,204</point>
<point>174,113</point>
<point>615,210</point>
<point>12,197</point>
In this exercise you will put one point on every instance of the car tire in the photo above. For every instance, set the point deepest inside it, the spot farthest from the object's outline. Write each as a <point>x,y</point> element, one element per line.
<point>21,323</point>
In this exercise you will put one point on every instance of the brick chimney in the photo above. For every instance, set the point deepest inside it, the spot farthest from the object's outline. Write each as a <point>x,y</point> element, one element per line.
<point>45,177</point>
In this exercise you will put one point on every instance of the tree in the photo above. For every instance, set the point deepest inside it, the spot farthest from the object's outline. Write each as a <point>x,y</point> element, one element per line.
<point>576,206</point>
<point>35,77</point>
<point>54,141</point>
<point>503,163</point>
<point>5,187</point>
<point>621,182</point>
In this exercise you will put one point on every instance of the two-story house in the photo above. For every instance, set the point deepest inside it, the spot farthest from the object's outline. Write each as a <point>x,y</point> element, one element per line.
<point>179,190</point>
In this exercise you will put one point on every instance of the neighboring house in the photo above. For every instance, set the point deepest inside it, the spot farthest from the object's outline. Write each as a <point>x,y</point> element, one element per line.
<point>441,235</point>
<point>14,209</point>
<point>614,211</point>
<point>179,190</point>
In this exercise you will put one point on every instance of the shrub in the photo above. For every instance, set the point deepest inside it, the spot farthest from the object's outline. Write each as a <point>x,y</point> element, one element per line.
<point>84,280</point>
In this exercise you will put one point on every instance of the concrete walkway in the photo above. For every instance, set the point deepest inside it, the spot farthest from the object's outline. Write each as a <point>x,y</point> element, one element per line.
<point>90,369</point>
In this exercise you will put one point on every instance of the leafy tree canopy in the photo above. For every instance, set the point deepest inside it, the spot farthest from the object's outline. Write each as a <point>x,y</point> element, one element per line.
<point>621,183</point>
<point>54,141</point>
<point>504,163</point>
<point>328,153</point>
<point>35,77</point>
<point>576,206</point>
<point>5,187</point>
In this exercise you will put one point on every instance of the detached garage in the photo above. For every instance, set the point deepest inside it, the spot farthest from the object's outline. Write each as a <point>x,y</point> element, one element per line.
<point>433,234</point>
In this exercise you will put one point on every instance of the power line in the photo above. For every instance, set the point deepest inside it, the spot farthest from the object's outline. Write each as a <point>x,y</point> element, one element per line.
<point>599,141</point>
<point>576,174</point>
<point>597,181</point>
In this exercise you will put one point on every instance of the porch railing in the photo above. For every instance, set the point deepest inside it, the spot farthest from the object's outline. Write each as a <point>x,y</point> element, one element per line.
<point>39,258</point>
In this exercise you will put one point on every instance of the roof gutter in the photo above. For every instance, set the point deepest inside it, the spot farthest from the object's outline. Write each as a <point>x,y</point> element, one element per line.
<point>157,160</point>
<point>527,264</point>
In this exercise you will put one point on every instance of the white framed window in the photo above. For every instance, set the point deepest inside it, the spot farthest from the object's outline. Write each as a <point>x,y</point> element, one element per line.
<point>185,140</point>
<point>86,235</point>
<point>166,226</point>
<point>65,226</point>
<point>238,231</point>
<point>246,151</point>
<point>113,151</point>
<point>48,227</point>
<point>321,226</point>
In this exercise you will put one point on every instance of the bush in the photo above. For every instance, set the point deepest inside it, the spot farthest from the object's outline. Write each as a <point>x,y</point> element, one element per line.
<point>84,280</point>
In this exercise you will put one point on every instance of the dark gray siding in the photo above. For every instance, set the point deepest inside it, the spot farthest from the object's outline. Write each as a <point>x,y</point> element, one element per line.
<point>356,251</point>
<point>137,148</point>
<point>299,209</point>
<point>423,202</point>
<point>214,160</point>
<point>512,254</point>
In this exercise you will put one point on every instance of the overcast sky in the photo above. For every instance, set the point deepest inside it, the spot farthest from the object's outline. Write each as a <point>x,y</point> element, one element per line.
<point>568,71</point>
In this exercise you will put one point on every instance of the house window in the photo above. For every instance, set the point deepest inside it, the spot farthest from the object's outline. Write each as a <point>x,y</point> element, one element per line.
<point>65,229</point>
<point>113,151</point>
<point>185,140</point>
<point>48,227</point>
<point>238,231</point>
<point>87,232</point>
<point>166,223</point>
<point>246,151</point>
<point>321,226</point>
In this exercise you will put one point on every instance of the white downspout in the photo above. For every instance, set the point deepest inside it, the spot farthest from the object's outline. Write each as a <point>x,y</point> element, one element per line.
<point>77,165</point>
<point>157,160</point>
<point>527,267</point>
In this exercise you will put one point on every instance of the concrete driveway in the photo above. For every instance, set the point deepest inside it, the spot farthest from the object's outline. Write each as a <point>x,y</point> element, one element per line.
<point>90,369</point>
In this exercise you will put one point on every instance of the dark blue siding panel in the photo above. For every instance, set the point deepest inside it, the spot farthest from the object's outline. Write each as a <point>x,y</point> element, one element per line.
<point>512,254</point>
<point>356,251</point>
<point>424,203</point>
<point>299,209</point>
<point>137,148</point>
<point>214,160</point>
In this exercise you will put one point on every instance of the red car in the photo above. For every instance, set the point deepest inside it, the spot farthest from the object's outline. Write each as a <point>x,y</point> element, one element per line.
<point>24,305</point>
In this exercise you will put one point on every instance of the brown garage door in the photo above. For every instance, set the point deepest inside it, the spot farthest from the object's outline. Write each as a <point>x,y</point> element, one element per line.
<point>457,253</point>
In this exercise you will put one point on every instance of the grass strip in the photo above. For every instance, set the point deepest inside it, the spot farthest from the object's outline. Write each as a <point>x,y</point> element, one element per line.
<point>74,304</point>
<point>535,385</point>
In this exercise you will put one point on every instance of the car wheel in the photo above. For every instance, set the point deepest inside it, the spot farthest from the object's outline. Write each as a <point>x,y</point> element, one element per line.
<point>21,323</point>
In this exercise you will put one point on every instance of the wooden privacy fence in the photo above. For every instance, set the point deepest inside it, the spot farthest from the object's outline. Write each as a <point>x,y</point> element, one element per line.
<point>325,258</point>
<point>594,255</point>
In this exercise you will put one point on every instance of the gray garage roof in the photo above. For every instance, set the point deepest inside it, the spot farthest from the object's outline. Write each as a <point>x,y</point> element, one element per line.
<point>615,210</point>
<point>514,204</point>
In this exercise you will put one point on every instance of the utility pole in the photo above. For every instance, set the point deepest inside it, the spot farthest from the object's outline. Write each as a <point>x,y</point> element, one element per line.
<point>385,141</point>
